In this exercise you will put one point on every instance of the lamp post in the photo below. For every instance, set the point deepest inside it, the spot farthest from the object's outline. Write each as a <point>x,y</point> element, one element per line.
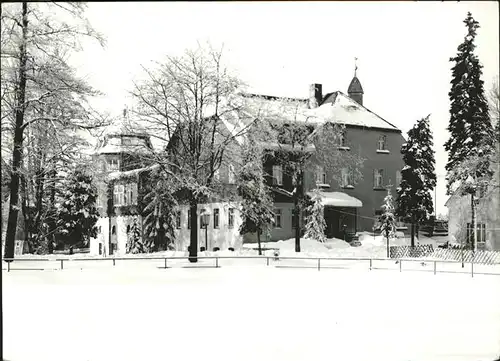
<point>205,214</point>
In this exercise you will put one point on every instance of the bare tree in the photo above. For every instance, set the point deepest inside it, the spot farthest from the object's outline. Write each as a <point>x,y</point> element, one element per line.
<point>38,85</point>
<point>186,103</point>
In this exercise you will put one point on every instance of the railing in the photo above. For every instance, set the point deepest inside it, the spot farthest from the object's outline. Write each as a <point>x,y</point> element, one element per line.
<point>316,261</point>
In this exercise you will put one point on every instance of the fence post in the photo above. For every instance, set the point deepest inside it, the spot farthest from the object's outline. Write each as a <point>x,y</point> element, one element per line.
<point>8,266</point>
<point>400,264</point>
<point>165,263</point>
<point>113,261</point>
<point>216,262</point>
<point>62,266</point>
<point>435,267</point>
<point>370,264</point>
<point>319,263</point>
<point>267,260</point>
<point>472,267</point>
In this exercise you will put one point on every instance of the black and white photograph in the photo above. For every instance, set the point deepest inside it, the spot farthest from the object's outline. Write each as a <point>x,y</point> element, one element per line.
<point>250,181</point>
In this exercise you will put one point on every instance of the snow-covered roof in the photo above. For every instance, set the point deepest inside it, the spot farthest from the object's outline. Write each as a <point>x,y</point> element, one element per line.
<point>340,108</point>
<point>118,175</point>
<point>338,199</point>
<point>115,149</point>
<point>337,107</point>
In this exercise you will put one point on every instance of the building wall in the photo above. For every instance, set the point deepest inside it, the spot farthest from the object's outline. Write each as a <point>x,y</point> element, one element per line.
<point>222,237</point>
<point>363,141</point>
<point>487,212</point>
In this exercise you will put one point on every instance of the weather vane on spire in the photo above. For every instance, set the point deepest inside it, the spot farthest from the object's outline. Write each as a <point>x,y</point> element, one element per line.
<point>355,65</point>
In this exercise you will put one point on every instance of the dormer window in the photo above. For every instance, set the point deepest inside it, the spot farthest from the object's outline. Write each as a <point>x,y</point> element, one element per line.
<point>113,164</point>
<point>277,175</point>
<point>382,144</point>
<point>320,175</point>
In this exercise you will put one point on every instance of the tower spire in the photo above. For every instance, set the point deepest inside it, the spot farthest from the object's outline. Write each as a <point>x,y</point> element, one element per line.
<point>355,66</point>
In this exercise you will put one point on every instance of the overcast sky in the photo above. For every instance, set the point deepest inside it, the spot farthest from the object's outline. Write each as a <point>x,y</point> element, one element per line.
<point>278,48</point>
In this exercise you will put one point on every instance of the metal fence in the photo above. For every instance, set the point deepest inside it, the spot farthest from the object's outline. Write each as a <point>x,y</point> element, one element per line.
<point>287,262</point>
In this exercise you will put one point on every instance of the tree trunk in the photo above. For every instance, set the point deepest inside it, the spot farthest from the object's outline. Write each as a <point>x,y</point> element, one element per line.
<point>473,224</point>
<point>388,247</point>
<point>412,243</point>
<point>297,225</point>
<point>18,141</point>
<point>296,215</point>
<point>193,245</point>
<point>258,241</point>
<point>52,220</point>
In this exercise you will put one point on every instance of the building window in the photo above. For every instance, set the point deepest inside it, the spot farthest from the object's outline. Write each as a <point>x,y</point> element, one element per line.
<point>277,175</point>
<point>118,195</point>
<point>481,233</point>
<point>113,164</point>
<point>130,196</point>
<point>382,143</point>
<point>277,218</point>
<point>231,174</point>
<point>100,201</point>
<point>189,219</point>
<point>398,178</point>
<point>378,178</point>
<point>231,218</point>
<point>178,220</point>
<point>216,217</point>
<point>128,229</point>
<point>320,175</point>
<point>113,230</point>
<point>342,139</point>
<point>347,181</point>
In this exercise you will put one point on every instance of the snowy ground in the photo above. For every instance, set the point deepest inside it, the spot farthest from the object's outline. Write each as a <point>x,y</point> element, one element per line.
<point>248,313</point>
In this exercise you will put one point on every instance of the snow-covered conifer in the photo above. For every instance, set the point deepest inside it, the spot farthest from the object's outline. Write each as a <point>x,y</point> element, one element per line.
<point>387,219</point>
<point>471,131</point>
<point>418,177</point>
<point>134,241</point>
<point>256,204</point>
<point>315,220</point>
<point>77,213</point>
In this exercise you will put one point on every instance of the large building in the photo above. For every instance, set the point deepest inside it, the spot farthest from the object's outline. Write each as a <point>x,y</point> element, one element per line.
<point>348,205</point>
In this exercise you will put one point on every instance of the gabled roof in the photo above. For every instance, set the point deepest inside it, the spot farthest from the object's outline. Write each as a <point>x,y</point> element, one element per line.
<point>336,107</point>
<point>340,108</point>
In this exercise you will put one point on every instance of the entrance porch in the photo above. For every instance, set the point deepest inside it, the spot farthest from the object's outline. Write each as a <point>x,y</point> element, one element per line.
<point>340,211</point>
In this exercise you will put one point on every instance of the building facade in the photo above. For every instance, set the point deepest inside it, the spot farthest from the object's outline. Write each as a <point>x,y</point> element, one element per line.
<point>460,225</point>
<point>348,205</point>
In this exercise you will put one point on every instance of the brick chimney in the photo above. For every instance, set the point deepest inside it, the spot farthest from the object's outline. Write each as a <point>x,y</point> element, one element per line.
<point>315,95</point>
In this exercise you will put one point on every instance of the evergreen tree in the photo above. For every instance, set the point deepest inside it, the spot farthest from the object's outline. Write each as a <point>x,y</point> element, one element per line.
<point>77,212</point>
<point>471,141</point>
<point>471,132</point>
<point>315,220</point>
<point>418,177</point>
<point>134,242</point>
<point>257,204</point>
<point>159,212</point>
<point>388,220</point>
